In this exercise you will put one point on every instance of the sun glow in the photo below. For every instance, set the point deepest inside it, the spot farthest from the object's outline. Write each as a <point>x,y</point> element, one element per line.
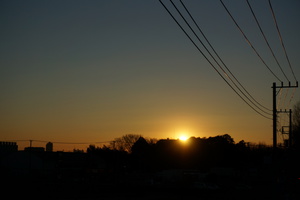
<point>183,138</point>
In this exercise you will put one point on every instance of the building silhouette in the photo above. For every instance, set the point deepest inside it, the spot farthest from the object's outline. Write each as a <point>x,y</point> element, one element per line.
<point>49,147</point>
<point>8,146</point>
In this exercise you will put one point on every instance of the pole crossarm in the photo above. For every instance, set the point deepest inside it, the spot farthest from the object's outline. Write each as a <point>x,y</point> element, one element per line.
<point>287,86</point>
<point>283,111</point>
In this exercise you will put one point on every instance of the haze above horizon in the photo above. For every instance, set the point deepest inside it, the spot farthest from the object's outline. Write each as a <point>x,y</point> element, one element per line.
<point>96,70</point>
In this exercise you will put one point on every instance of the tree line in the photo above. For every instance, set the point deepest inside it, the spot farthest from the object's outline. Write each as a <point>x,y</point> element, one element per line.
<point>134,152</point>
<point>138,153</point>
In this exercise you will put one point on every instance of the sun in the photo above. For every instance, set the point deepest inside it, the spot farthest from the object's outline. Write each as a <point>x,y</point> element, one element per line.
<point>183,138</point>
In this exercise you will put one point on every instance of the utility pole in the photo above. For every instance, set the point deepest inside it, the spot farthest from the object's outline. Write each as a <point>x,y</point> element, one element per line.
<point>275,112</point>
<point>289,132</point>
<point>274,117</point>
<point>30,151</point>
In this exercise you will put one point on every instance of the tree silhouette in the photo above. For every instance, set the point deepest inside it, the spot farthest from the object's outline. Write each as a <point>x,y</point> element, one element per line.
<point>296,125</point>
<point>125,142</point>
<point>140,147</point>
<point>141,155</point>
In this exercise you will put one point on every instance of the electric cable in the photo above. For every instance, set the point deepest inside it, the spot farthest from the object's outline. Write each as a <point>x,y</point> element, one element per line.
<point>265,38</point>
<point>286,94</point>
<point>206,39</point>
<point>292,97</point>
<point>284,49</point>
<point>279,98</point>
<point>281,40</point>
<point>189,37</point>
<point>215,59</point>
<point>248,41</point>
<point>70,142</point>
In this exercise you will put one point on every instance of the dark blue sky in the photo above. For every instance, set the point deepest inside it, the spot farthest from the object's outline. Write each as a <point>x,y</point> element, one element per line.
<point>95,70</point>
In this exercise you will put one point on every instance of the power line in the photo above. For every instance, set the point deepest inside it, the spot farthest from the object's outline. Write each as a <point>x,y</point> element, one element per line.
<point>15,140</point>
<point>265,38</point>
<point>285,52</point>
<point>220,57</point>
<point>71,142</point>
<point>189,37</point>
<point>279,98</point>
<point>286,94</point>
<point>55,142</point>
<point>215,59</point>
<point>248,41</point>
<point>281,40</point>
<point>292,96</point>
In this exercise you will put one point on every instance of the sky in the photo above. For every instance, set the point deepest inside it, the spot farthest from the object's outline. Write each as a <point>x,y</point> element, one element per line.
<point>86,71</point>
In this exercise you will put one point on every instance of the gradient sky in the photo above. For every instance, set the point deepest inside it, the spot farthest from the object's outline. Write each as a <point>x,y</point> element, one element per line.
<point>76,71</point>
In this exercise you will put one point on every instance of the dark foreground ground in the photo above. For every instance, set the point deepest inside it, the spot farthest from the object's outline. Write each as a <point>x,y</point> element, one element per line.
<point>82,176</point>
<point>81,191</point>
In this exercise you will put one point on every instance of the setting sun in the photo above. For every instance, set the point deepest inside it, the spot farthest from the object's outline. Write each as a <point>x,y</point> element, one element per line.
<point>183,138</point>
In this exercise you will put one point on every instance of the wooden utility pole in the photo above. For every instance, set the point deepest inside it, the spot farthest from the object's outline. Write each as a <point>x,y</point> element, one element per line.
<point>274,118</point>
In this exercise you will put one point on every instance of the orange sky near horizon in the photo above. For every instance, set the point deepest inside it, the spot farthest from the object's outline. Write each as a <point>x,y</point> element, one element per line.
<point>92,71</point>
